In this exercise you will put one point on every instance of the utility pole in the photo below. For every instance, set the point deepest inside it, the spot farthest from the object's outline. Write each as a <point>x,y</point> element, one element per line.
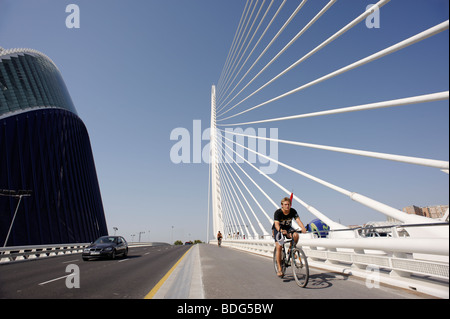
<point>17,194</point>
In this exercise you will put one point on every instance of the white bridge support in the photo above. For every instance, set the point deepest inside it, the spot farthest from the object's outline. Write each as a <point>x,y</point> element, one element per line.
<point>218,224</point>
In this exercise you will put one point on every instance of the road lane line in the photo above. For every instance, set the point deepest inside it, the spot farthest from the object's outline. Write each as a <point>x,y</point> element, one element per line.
<point>46,282</point>
<point>123,260</point>
<point>163,279</point>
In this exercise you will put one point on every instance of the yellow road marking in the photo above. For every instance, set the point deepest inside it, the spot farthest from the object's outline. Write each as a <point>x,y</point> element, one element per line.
<point>163,279</point>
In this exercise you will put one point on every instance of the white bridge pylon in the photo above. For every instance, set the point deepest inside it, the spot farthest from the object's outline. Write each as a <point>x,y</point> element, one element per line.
<point>235,208</point>
<point>218,224</point>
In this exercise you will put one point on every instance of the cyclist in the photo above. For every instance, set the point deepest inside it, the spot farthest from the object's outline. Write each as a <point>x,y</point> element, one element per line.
<point>282,223</point>
<point>219,238</point>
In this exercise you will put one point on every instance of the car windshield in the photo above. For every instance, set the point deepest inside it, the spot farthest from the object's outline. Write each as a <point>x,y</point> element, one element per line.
<point>106,240</point>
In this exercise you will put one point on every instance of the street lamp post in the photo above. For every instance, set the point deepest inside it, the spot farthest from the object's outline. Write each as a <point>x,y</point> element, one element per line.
<point>17,194</point>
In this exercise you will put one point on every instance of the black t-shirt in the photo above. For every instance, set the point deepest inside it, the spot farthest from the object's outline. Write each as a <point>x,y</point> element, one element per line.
<point>285,220</point>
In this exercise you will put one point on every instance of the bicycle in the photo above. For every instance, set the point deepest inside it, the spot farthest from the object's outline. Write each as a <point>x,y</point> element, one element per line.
<point>296,258</point>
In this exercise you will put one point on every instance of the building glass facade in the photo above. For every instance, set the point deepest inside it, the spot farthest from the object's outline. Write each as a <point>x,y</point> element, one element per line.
<point>45,148</point>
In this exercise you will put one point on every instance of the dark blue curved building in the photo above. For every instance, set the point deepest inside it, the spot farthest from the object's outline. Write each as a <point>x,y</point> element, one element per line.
<point>45,148</point>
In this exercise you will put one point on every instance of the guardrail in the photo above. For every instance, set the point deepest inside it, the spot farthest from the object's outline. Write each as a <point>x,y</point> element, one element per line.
<point>420,264</point>
<point>16,253</point>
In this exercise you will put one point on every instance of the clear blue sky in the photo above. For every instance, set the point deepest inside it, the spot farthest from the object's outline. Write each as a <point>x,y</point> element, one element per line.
<point>138,69</point>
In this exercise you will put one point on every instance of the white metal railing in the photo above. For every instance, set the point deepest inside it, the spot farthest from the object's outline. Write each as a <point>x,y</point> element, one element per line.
<point>16,253</point>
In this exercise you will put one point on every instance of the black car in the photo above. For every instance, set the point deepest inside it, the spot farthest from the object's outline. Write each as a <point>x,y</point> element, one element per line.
<point>106,246</point>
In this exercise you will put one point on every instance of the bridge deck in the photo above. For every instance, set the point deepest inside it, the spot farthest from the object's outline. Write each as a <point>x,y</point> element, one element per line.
<point>210,272</point>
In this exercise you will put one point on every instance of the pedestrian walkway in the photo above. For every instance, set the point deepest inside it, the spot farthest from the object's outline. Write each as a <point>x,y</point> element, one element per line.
<point>185,282</point>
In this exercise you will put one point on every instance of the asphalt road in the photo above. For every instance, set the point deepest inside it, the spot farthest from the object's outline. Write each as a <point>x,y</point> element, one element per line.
<point>130,277</point>
<point>206,271</point>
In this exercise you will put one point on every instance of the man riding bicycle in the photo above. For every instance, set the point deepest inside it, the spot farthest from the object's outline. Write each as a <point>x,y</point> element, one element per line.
<point>282,224</point>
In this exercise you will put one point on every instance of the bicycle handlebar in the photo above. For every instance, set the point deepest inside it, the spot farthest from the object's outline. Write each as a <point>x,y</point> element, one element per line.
<point>284,239</point>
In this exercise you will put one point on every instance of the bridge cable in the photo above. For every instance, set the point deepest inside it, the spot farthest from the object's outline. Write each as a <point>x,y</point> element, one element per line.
<point>259,188</point>
<point>245,199</point>
<point>233,185</point>
<point>319,47</point>
<point>439,96</point>
<point>396,47</point>
<point>237,45</point>
<point>233,213</point>
<point>392,157</point>
<point>260,38</point>
<point>310,208</point>
<point>232,46</point>
<point>378,206</point>
<point>226,83</point>
<point>253,197</point>
<point>248,44</point>
<point>292,41</point>
<point>279,31</point>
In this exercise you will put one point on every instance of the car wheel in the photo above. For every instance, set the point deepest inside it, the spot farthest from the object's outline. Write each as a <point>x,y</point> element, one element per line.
<point>125,254</point>
<point>113,254</point>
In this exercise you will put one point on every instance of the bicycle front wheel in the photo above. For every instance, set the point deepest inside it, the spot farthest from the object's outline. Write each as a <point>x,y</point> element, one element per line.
<point>300,267</point>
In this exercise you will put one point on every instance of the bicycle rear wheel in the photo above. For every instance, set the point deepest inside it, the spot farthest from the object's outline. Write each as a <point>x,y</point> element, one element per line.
<point>300,267</point>
<point>283,258</point>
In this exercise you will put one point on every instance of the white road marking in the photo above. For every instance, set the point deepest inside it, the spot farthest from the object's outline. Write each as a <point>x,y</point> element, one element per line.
<point>123,260</point>
<point>46,282</point>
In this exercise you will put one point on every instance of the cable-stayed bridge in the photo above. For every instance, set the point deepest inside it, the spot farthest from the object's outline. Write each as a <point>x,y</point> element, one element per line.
<point>295,68</point>
<point>343,104</point>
